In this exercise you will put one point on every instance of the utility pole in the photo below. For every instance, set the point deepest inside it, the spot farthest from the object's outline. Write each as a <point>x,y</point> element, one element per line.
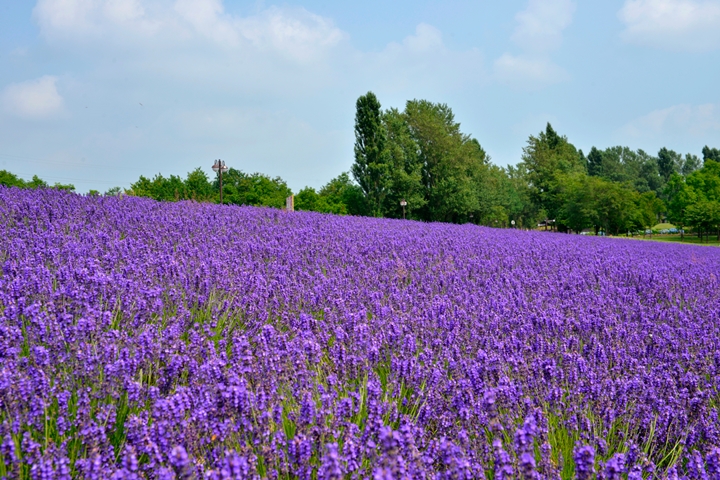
<point>220,168</point>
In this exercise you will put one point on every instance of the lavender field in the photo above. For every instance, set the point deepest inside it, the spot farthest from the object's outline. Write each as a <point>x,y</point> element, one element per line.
<point>181,340</point>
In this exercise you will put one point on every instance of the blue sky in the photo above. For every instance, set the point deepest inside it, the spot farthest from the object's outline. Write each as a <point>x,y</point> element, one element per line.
<point>99,92</point>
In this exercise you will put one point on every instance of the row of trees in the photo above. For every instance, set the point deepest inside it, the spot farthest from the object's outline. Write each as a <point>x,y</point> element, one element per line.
<point>694,199</point>
<point>9,179</point>
<point>619,190</point>
<point>341,195</point>
<point>421,155</point>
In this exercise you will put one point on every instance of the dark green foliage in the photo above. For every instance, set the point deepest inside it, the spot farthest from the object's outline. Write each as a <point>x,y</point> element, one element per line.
<point>679,196</point>
<point>704,215</point>
<point>240,188</point>
<point>341,192</point>
<point>405,174</point>
<point>8,179</point>
<point>546,159</point>
<point>169,189</point>
<point>518,196</point>
<point>595,162</point>
<point>583,160</point>
<point>451,163</point>
<point>621,164</point>
<point>371,168</point>
<point>339,196</point>
<point>706,181</point>
<point>690,164</point>
<point>711,154</point>
<point>593,202</point>
<point>637,168</point>
<point>693,200</point>
<point>11,180</point>
<point>668,161</point>
<point>196,186</point>
<point>308,199</point>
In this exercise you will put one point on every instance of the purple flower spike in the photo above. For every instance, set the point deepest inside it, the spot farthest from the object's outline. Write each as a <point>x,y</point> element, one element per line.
<point>584,457</point>
<point>331,468</point>
<point>614,467</point>
<point>503,463</point>
<point>696,467</point>
<point>712,461</point>
<point>181,464</point>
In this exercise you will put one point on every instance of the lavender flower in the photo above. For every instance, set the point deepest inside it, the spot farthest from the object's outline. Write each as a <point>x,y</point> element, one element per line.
<point>584,457</point>
<point>147,340</point>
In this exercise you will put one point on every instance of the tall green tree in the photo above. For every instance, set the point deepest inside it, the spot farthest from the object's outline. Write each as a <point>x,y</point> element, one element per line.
<point>578,203</point>
<point>595,163</point>
<point>621,164</point>
<point>692,199</point>
<point>690,164</point>
<point>706,181</point>
<point>547,157</point>
<point>711,154</point>
<point>649,209</point>
<point>405,168</point>
<point>616,207</point>
<point>371,167</point>
<point>668,162</point>
<point>704,216</point>
<point>452,163</point>
<point>520,205</point>
<point>679,197</point>
<point>198,186</point>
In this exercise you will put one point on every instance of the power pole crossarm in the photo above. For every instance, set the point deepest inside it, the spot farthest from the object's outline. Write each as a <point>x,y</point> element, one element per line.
<point>219,167</point>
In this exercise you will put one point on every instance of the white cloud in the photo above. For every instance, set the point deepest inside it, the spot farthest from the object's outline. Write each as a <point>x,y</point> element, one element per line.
<point>59,15</point>
<point>208,19</point>
<point>538,32</point>
<point>528,71</point>
<point>123,10</point>
<point>34,99</point>
<point>541,24</point>
<point>681,25</point>
<point>299,33</point>
<point>678,121</point>
<point>426,38</point>
<point>278,48</point>
<point>292,32</point>
<point>421,61</point>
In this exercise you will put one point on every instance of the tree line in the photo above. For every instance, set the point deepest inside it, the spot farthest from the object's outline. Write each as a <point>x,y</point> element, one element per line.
<point>421,156</point>
<point>9,179</point>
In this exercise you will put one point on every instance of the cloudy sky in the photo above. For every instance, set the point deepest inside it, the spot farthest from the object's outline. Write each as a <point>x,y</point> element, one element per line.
<point>99,92</point>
